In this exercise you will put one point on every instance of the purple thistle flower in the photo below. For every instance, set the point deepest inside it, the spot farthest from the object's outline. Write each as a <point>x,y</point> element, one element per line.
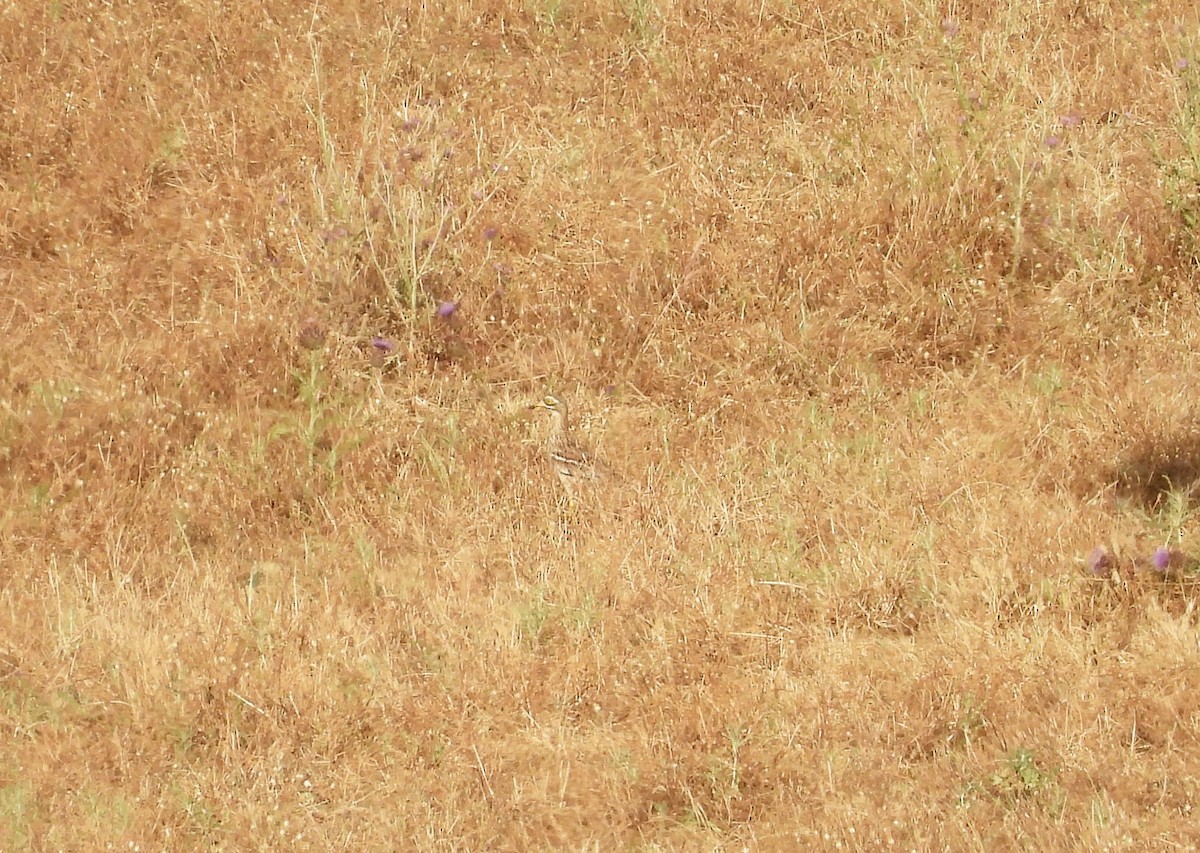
<point>949,27</point>
<point>381,350</point>
<point>490,233</point>
<point>1182,63</point>
<point>1100,562</point>
<point>1071,119</point>
<point>445,310</point>
<point>1160,560</point>
<point>1053,142</point>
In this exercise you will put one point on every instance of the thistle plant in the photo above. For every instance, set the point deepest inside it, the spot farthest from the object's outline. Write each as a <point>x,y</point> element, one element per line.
<point>316,421</point>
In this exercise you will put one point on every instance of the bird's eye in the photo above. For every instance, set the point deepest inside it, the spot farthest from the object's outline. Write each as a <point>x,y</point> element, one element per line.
<point>549,402</point>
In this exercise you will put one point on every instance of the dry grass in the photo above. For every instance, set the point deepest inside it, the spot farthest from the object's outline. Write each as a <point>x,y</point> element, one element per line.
<point>882,314</point>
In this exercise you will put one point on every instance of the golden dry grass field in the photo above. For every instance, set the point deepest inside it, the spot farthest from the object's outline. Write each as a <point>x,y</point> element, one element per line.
<point>881,317</point>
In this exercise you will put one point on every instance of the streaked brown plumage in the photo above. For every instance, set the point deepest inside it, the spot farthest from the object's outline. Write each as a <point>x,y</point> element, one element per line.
<point>571,460</point>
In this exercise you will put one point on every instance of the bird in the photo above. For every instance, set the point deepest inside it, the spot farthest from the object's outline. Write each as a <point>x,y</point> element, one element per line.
<point>571,460</point>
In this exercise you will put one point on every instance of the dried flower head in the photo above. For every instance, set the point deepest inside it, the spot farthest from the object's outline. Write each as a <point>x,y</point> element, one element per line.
<point>445,310</point>
<point>312,334</point>
<point>333,235</point>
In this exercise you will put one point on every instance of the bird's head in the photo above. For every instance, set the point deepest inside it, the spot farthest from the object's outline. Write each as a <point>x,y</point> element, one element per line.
<point>552,403</point>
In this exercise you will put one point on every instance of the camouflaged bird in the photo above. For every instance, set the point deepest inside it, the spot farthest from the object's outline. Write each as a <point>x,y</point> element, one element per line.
<point>571,460</point>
